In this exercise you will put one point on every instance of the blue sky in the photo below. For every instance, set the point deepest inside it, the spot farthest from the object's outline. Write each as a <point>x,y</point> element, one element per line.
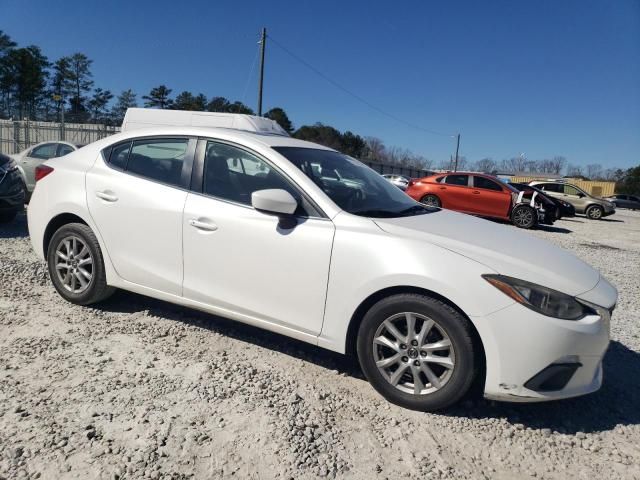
<point>541,77</point>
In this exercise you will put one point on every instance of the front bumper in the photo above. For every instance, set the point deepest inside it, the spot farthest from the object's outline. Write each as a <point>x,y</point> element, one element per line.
<point>521,346</point>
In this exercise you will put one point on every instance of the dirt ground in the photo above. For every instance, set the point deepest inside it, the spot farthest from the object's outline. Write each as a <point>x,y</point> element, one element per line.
<point>138,388</point>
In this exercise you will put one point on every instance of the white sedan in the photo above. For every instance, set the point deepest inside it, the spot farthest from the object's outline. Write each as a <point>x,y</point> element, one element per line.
<point>247,226</point>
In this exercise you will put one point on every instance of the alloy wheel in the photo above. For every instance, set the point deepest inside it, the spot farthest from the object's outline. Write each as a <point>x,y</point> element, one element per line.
<point>595,213</point>
<point>413,353</point>
<point>431,201</point>
<point>523,216</point>
<point>74,264</point>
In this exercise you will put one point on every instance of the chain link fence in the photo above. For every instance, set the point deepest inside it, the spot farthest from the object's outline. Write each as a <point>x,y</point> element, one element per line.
<point>15,136</point>
<point>409,172</point>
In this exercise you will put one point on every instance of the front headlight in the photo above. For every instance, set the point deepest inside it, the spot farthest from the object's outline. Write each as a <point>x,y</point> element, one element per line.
<point>539,299</point>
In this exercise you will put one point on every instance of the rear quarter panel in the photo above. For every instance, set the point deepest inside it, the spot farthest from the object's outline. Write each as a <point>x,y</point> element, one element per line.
<point>60,192</point>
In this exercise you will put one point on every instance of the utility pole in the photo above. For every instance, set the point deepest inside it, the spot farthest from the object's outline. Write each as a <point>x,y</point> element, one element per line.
<point>455,168</point>
<point>263,41</point>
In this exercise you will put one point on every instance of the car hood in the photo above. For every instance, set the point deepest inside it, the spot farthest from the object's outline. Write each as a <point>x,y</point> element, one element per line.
<point>502,248</point>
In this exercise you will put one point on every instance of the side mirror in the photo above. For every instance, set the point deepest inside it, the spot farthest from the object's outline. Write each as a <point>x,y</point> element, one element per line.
<point>275,200</point>
<point>580,194</point>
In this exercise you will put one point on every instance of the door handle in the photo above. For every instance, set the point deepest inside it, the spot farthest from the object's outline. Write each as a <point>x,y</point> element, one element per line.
<point>442,188</point>
<point>107,196</point>
<point>200,225</point>
<point>476,192</point>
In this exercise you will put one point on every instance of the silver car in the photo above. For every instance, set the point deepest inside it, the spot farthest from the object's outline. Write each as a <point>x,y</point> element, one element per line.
<point>33,156</point>
<point>594,208</point>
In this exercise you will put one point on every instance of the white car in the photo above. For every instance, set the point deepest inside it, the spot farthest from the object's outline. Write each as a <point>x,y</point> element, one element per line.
<point>29,158</point>
<point>243,225</point>
<point>399,181</point>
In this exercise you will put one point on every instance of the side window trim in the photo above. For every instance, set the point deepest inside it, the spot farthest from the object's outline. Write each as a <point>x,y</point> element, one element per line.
<point>197,177</point>
<point>187,164</point>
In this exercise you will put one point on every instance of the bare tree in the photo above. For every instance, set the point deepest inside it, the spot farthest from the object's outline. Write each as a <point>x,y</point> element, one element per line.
<point>574,170</point>
<point>594,171</point>
<point>375,148</point>
<point>486,165</point>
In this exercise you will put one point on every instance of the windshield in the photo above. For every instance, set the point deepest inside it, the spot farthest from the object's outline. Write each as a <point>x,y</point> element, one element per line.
<point>353,186</point>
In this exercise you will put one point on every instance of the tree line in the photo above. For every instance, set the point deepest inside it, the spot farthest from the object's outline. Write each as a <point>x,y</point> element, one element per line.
<point>33,87</point>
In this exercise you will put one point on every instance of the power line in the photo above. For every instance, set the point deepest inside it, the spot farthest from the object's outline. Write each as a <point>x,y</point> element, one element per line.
<point>246,85</point>
<point>355,95</point>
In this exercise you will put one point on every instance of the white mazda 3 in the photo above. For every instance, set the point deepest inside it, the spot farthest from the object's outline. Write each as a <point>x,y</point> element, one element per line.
<point>302,240</point>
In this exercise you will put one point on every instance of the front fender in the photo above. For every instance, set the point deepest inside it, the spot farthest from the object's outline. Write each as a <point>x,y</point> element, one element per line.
<point>366,261</point>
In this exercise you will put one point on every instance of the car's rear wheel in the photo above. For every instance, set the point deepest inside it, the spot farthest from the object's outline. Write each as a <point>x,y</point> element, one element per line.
<point>431,200</point>
<point>76,266</point>
<point>595,212</point>
<point>417,351</point>
<point>524,216</point>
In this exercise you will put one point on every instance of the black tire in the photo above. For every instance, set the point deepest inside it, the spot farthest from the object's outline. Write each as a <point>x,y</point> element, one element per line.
<point>594,212</point>
<point>524,216</point>
<point>97,289</point>
<point>431,200</point>
<point>448,320</point>
<point>6,217</point>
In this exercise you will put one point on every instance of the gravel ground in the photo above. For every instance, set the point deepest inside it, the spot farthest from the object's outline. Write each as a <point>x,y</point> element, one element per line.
<point>139,388</point>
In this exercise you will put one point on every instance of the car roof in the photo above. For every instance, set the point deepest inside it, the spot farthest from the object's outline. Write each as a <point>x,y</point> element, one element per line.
<point>221,133</point>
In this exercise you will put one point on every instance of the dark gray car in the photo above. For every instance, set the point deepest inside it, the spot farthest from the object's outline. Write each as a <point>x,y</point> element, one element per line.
<point>625,201</point>
<point>12,189</point>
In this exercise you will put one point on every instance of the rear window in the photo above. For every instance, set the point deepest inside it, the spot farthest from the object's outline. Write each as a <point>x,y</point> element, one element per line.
<point>462,180</point>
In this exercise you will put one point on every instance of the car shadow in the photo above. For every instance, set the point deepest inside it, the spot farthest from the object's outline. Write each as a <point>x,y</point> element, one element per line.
<point>16,228</point>
<point>613,220</point>
<point>127,302</point>
<point>573,219</point>
<point>553,229</point>
<point>616,403</point>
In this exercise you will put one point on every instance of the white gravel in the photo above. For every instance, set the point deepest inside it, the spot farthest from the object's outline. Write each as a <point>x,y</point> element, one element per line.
<point>138,388</point>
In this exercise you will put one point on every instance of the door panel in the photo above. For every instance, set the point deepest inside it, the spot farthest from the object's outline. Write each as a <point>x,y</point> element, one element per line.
<point>246,261</point>
<point>489,201</point>
<point>140,219</point>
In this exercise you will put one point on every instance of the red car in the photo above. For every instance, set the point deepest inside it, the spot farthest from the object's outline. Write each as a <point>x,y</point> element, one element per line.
<point>477,194</point>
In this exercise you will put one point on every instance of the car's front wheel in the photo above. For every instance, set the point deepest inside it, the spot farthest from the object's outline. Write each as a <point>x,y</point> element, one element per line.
<point>76,266</point>
<point>417,351</point>
<point>524,216</point>
<point>595,212</point>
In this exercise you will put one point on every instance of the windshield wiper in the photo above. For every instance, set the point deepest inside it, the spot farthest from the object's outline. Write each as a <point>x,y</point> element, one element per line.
<point>376,213</point>
<point>414,209</point>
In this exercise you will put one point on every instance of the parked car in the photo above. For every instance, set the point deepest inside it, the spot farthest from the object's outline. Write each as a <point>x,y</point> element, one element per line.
<point>593,207</point>
<point>31,157</point>
<point>11,189</point>
<point>625,201</point>
<point>559,208</point>
<point>477,194</point>
<point>399,181</point>
<point>244,225</point>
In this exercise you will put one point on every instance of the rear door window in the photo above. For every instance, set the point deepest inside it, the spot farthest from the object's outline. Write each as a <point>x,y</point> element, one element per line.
<point>461,180</point>
<point>158,159</point>
<point>44,152</point>
<point>119,155</point>
<point>64,149</point>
